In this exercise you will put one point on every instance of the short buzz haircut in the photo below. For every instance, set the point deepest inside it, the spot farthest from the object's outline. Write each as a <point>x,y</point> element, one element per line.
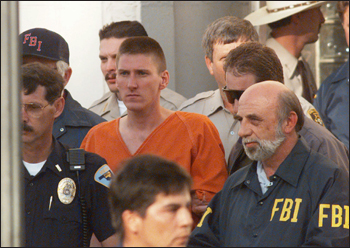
<point>145,46</point>
<point>139,181</point>
<point>37,74</point>
<point>341,7</point>
<point>256,59</point>
<point>227,30</point>
<point>123,29</point>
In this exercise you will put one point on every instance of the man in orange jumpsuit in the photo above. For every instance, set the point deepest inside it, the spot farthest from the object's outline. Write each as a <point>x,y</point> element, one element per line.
<point>189,139</point>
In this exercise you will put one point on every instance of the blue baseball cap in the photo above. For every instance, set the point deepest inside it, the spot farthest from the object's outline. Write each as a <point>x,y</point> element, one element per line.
<point>44,43</point>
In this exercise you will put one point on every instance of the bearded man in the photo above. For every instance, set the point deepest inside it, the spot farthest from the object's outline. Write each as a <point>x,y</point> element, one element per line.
<point>290,195</point>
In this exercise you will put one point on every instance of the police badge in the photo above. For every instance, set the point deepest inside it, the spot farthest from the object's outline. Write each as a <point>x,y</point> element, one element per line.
<point>66,190</point>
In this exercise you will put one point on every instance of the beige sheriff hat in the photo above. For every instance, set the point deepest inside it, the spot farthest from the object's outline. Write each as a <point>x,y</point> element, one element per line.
<point>277,10</point>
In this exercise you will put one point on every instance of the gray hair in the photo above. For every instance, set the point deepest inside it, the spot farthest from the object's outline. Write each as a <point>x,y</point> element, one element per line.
<point>288,102</point>
<point>226,30</point>
<point>62,67</point>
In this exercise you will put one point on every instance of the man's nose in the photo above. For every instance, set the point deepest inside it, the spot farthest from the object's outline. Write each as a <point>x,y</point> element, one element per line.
<point>111,66</point>
<point>235,107</point>
<point>185,217</point>
<point>244,129</point>
<point>132,83</point>
<point>24,113</point>
<point>322,20</point>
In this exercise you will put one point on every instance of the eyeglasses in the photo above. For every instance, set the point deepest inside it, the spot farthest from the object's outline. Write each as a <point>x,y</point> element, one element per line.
<point>34,110</point>
<point>231,95</point>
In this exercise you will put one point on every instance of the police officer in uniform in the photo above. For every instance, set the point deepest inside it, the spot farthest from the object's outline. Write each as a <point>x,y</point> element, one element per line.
<point>110,106</point>
<point>220,37</point>
<point>251,63</point>
<point>65,189</point>
<point>332,99</point>
<point>47,47</point>
<point>294,24</point>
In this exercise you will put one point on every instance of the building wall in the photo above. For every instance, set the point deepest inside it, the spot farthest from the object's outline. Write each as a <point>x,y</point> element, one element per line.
<point>79,23</point>
<point>158,19</point>
<point>177,26</point>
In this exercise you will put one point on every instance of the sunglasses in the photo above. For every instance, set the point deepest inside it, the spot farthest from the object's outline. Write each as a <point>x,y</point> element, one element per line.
<point>232,95</point>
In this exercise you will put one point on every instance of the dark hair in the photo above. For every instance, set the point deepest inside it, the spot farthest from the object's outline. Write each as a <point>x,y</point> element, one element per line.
<point>143,45</point>
<point>280,23</point>
<point>123,29</point>
<point>254,58</point>
<point>139,181</point>
<point>288,102</point>
<point>226,30</point>
<point>35,74</point>
<point>341,7</point>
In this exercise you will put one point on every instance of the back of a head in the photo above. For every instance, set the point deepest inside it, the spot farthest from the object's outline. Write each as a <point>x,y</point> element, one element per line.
<point>145,46</point>
<point>139,181</point>
<point>257,59</point>
<point>226,30</point>
<point>36,74</point>
<point>123,29</point>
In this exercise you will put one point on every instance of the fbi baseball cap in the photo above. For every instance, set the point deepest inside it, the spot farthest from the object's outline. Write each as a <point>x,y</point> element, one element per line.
<point>44,43</point>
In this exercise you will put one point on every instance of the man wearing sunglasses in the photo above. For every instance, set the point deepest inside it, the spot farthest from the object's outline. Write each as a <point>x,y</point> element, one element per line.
<point>221,36</point>
<point>290,195</point>
<point>251,63</point>
<point>58,185</point>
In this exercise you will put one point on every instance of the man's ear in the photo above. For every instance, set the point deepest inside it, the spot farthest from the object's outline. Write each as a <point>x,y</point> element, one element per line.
<point>165,79</point>
<point>131,221</point>
<point>67,75</point>
<point>290,122</point>
<point>209,64</point>
<point>59,106</point>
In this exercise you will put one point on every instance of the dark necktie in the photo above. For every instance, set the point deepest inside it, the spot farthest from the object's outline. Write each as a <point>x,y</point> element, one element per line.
<point>308,81</point>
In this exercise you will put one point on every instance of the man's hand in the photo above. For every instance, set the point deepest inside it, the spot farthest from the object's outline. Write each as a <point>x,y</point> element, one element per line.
<point>200,202</point>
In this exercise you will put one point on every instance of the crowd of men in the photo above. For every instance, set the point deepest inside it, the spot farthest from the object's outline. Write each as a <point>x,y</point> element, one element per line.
<point>253,163</point>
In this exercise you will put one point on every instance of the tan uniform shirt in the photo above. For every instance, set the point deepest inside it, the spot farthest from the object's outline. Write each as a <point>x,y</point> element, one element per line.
<point>210,103</point>
<point>292,78</point>
<point>107,106</point>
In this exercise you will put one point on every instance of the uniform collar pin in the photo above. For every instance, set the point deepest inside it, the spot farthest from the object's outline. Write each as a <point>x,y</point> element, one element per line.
<point>58,168</point>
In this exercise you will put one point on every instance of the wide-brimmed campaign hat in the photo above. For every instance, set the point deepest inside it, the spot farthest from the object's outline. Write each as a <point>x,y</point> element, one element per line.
<point>278,10</point>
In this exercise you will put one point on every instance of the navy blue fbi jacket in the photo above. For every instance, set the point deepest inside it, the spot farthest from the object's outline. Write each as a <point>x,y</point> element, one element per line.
<point>71,127</point>
<point>308,204</point>
<point>51,219</point>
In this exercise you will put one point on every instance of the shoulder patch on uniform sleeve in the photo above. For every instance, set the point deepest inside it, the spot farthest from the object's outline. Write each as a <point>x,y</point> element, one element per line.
<point>104,175</point>
<point>315,116</point>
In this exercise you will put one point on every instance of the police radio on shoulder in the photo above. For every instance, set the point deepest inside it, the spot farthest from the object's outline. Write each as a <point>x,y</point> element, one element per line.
<point>76,159</point>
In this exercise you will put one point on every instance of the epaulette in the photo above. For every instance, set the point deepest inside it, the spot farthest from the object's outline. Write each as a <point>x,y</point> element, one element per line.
<point>104,98</point>
<point>196,98</point>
